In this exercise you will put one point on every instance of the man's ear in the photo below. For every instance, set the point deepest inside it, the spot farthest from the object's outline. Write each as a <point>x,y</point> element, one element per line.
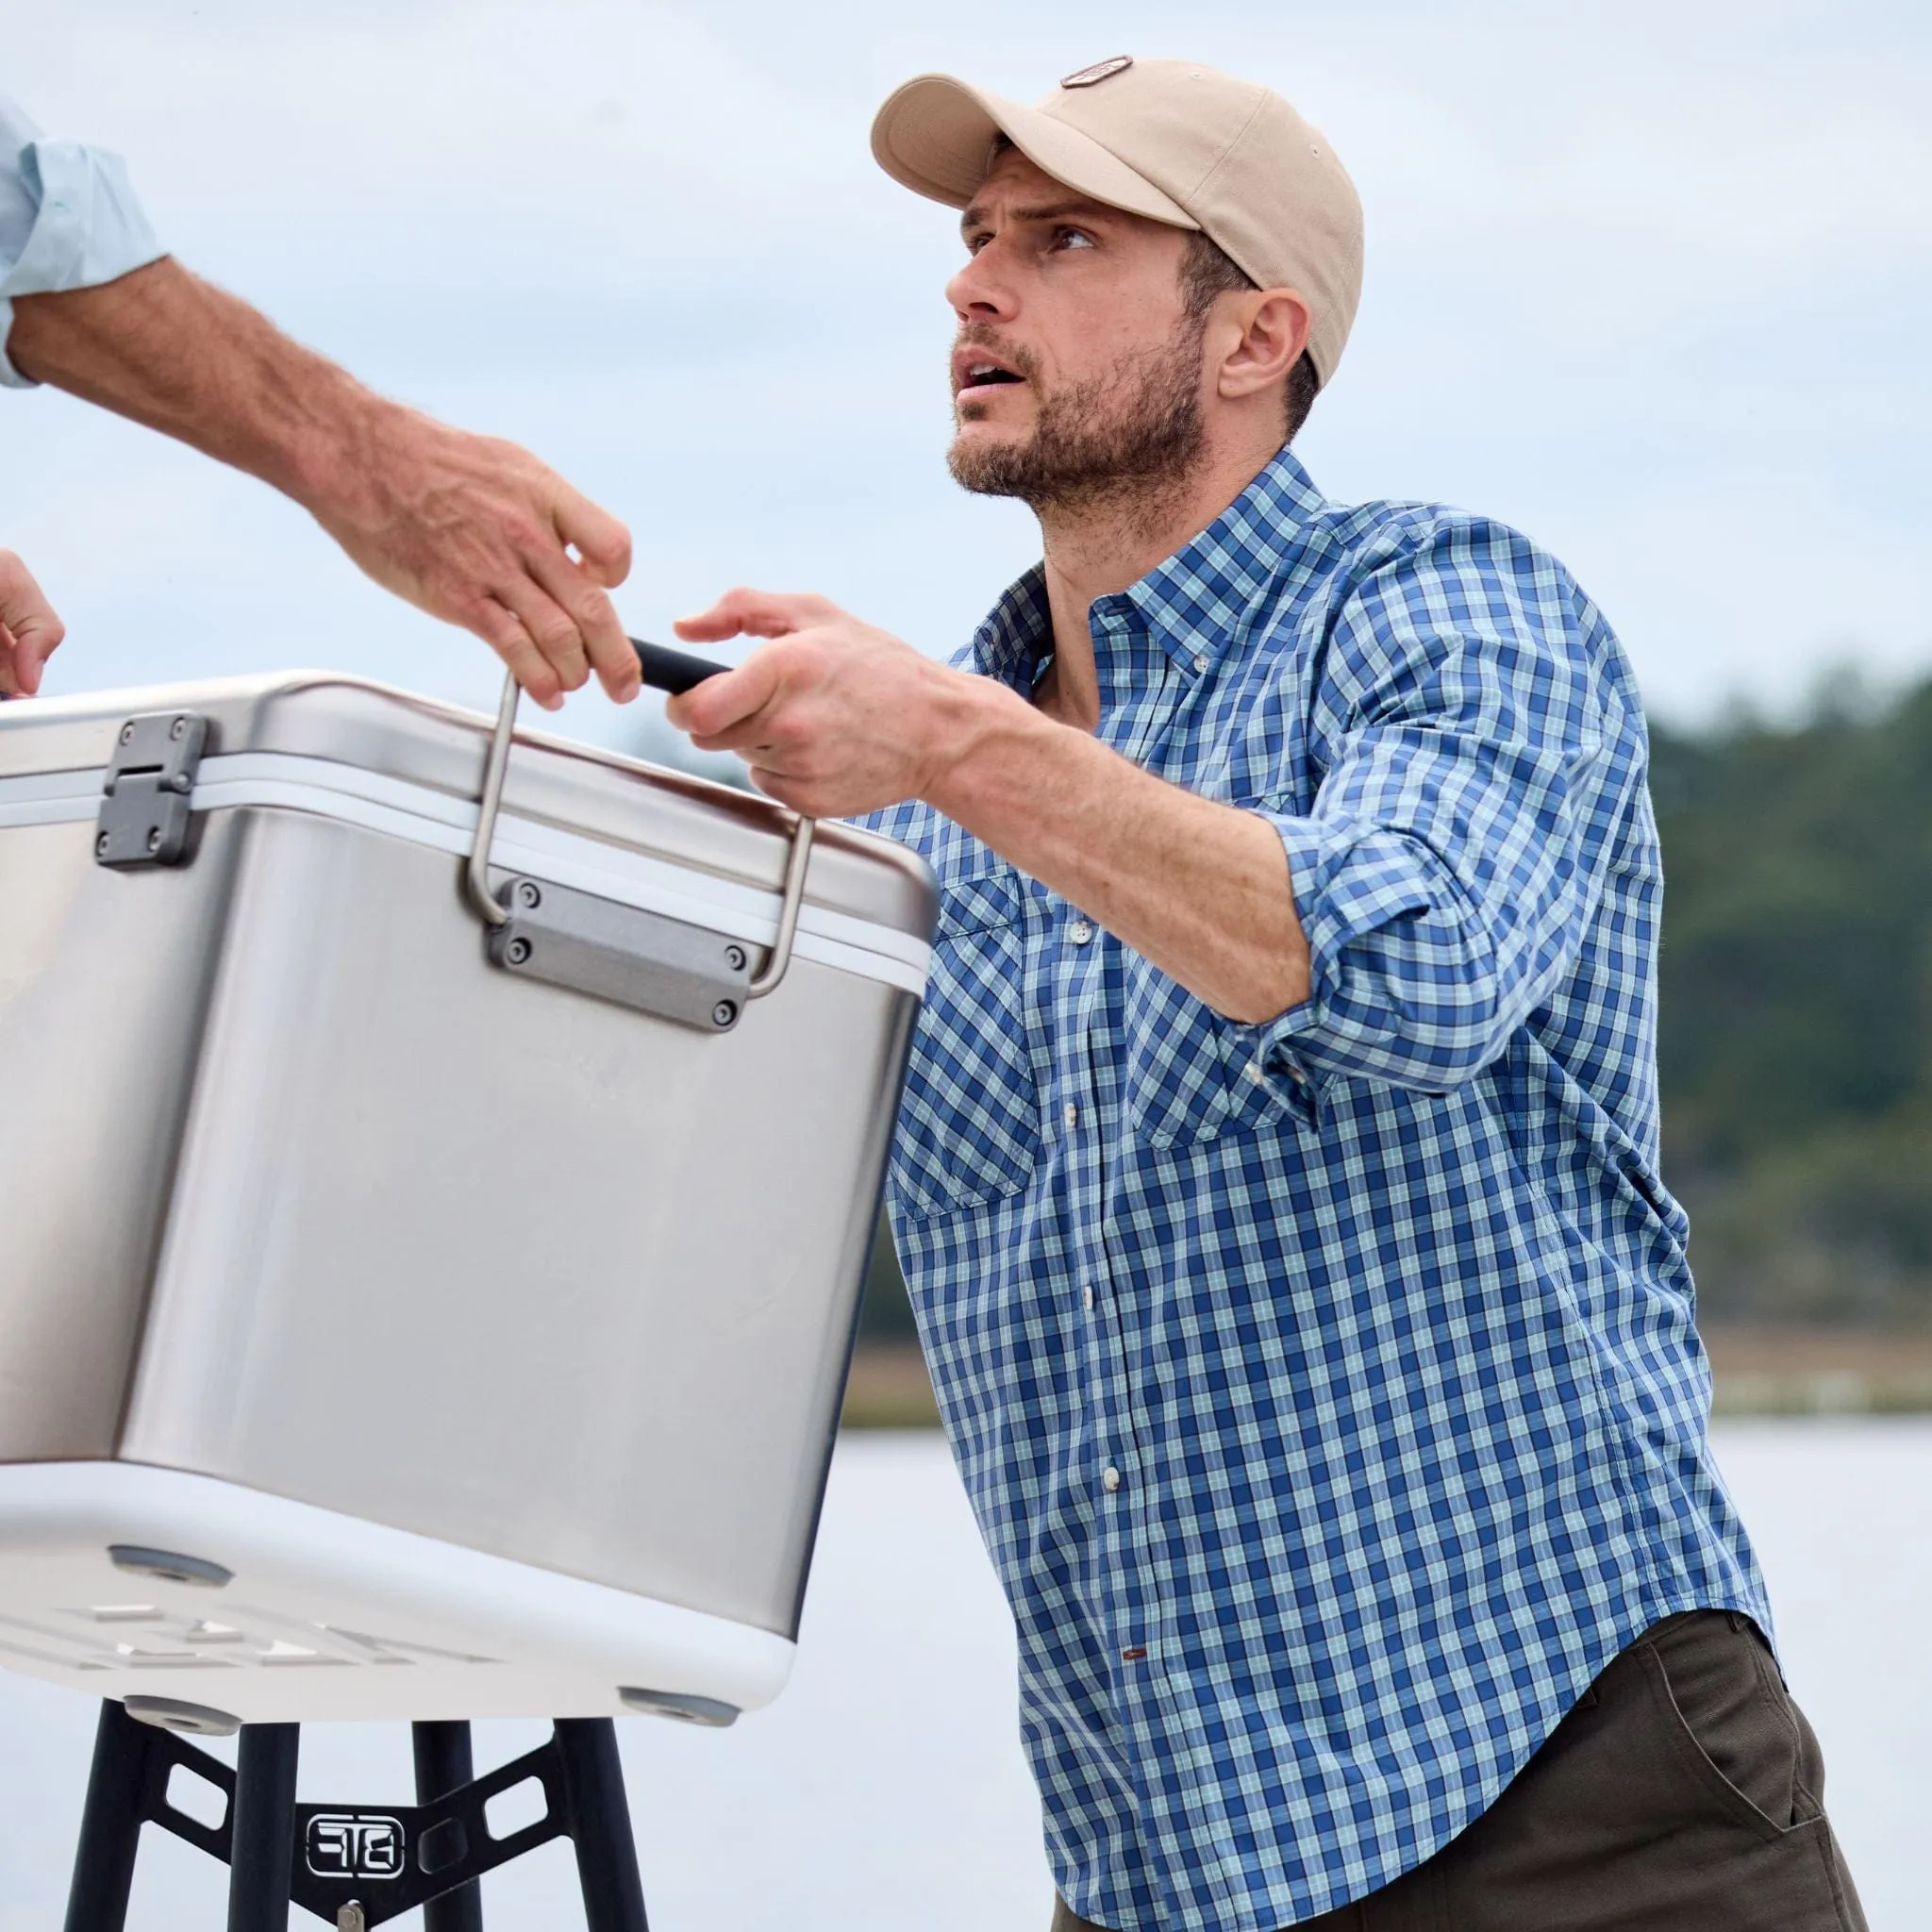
<point>1274,331</point>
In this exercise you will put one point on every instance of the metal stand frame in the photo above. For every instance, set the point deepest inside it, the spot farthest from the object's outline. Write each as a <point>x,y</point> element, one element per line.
<point>354,1865</point>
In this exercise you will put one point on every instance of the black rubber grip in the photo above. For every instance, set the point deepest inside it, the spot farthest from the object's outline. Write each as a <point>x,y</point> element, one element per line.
<point>673,670</point>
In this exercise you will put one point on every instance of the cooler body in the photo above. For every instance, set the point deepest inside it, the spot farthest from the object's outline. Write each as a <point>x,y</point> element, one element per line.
<point>385,1253</point>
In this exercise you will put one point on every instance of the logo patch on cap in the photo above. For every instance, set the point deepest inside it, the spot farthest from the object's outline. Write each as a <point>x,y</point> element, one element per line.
<point>1101,70</point>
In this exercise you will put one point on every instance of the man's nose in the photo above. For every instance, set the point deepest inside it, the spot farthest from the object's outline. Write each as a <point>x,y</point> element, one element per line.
<point>981,291</point>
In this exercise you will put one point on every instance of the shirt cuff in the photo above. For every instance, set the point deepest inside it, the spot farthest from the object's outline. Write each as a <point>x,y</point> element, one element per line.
<point>1349,879</point>
<point>88,229</point>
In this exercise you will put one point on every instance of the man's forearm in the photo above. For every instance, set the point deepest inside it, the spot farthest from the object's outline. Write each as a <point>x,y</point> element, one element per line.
<point>475,530</point>
<point>171,351</point>
<point>837,718</point>
<point>1202,890</point>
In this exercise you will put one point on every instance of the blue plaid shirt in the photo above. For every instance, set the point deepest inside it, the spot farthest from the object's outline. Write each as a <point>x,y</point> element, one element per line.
<point>1326,1391</point>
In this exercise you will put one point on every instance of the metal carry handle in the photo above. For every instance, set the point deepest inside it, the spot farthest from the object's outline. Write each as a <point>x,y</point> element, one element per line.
<point>669,670</point>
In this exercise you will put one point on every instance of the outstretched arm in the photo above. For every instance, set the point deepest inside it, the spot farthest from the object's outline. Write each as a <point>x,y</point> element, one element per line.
<point>835,719</point>
<point>469,528</point>
<point>1482,757</point>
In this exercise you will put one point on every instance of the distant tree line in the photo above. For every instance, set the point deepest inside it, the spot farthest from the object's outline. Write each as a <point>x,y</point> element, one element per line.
<point>1796,1038</point>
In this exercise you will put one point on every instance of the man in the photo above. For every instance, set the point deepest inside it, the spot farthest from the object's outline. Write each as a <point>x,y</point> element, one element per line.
<point>1277,1175</point>
<point>469,528</point>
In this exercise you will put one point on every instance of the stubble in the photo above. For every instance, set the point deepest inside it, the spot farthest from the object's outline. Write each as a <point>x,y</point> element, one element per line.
<point>1124,443</point>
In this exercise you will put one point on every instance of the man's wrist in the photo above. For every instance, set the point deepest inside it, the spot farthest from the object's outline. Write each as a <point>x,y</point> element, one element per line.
<point>977,729</point>
<point>331,457</point>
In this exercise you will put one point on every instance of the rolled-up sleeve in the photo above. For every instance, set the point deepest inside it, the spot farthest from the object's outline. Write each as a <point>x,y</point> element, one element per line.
<point>68,219</point>
<point>1473,753</point>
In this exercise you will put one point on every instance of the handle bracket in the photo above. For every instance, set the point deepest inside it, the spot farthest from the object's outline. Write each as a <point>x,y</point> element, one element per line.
<point>496,915</point>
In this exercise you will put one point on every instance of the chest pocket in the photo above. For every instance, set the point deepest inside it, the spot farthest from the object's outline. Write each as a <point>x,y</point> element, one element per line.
<point>969,1125</point>
<point>1187,1073</point>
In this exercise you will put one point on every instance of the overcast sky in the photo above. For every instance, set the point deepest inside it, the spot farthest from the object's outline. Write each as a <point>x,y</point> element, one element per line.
<point>1650,281</point>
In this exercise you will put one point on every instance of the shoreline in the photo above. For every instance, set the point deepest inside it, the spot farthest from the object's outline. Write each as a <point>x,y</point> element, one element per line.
<point>1755,1369</point>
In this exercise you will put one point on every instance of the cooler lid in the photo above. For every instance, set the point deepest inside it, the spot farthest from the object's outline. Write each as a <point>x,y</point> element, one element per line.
<point>355,748</point>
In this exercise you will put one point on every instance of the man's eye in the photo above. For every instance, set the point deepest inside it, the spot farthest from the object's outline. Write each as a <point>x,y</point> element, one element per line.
<point>1071,238</point>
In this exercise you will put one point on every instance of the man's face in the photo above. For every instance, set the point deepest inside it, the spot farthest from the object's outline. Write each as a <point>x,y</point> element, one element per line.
<point>1076,372</point>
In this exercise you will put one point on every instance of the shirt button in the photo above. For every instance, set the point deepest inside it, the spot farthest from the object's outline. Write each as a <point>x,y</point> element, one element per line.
<point>1109,1478</point>
<point>1256,1072</point>
<point>1071,1114</point>
<point>1087,1299</point>
<point>1080,932</point>
<point>1200,663</point>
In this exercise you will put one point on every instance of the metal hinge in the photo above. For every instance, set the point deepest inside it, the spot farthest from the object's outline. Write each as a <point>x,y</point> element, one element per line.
<point>145,808</point>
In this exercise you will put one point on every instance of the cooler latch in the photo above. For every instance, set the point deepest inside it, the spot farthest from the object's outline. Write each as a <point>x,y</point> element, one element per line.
<point>146,805</point>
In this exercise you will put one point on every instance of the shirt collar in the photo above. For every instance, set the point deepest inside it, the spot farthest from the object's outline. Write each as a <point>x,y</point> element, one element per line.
<point>1193,602</point>
<point>1011,642</point>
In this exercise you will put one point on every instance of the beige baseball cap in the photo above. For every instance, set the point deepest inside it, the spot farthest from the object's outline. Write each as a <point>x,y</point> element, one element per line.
<point>1170,140</point>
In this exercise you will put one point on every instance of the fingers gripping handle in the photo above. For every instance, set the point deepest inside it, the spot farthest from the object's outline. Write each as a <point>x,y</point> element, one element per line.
<point>667,671</point>
<point>672,671</point>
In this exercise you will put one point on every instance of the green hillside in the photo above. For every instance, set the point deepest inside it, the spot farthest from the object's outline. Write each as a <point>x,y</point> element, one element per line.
<point>1796,1027</point>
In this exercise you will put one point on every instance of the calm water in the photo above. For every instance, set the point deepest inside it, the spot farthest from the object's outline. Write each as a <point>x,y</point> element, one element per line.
<point>885,1789</point>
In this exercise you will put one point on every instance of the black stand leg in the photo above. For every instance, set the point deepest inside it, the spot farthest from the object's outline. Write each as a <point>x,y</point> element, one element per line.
<point>264,1839</point>
<point>444,1764</point>
<point>386,1861</point>
<point>110,1825</point>
<point>600,1824</point>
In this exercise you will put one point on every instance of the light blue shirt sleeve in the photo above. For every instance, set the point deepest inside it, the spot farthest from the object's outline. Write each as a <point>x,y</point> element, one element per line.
<point>68,220</point>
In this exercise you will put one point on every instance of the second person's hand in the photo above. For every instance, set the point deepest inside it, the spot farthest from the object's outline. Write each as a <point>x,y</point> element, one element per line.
<point>30,631</point>
<point>478,531</point>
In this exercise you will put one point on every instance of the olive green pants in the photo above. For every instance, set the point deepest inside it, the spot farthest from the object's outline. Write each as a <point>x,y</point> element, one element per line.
<point>1684,1794</point>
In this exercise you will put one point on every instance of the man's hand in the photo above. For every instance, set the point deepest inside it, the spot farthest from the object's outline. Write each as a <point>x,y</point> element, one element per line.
<point>471,529</point>
<point>28,628</point>
<point>834,718</point>
<point>479,533</point>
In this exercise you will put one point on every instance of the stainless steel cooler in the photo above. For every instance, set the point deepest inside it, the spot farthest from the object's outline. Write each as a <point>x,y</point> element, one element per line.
<point>402,1315</point>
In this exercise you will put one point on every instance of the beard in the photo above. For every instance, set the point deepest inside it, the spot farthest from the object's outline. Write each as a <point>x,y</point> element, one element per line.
<point>1126,440</point>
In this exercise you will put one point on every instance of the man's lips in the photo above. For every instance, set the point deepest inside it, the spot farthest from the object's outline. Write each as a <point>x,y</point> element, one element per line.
<point>979,372</point>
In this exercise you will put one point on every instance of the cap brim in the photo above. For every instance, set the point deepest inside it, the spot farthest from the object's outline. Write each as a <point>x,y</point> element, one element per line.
<point>935,136</point>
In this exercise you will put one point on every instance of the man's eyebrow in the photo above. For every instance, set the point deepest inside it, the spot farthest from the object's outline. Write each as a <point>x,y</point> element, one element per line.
<point>976,216</point>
